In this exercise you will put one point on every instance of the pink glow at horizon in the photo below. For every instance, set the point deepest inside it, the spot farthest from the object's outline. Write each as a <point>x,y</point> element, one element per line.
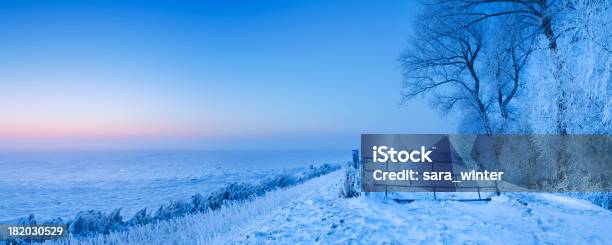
<point>29,130</point>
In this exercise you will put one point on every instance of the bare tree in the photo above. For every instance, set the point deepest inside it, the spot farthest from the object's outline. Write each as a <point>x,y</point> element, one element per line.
<point>444,63</point>
<point>511,56</point>
<point>538,14</point>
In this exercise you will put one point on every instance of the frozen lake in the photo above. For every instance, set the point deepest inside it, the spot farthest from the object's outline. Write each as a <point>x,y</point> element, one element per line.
<point>60,184</point>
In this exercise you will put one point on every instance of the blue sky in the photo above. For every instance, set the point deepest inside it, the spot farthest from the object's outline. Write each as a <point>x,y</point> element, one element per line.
<point>204,75</point>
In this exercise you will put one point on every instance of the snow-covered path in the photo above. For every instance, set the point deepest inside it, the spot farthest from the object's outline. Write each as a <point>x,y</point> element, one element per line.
<point>313,212</point>
<point>514,218</point>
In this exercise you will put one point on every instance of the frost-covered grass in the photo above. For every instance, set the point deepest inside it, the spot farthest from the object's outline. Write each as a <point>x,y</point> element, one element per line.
<point>208,227</point>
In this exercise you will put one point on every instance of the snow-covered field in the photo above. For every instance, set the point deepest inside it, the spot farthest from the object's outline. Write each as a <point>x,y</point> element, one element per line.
<point>60,184</point>
<point>313,212</point>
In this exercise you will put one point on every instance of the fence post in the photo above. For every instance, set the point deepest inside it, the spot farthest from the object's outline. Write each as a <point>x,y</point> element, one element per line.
<point>357,169</point>
<point>356,159</point>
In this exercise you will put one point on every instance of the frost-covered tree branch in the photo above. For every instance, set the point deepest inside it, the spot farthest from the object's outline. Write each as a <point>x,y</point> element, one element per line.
<point>445,64</point>
<point>516,54</point>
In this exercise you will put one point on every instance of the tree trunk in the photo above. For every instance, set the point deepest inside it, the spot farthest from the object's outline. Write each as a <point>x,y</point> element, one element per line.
<point>484,117</point>
<point>552,46</point>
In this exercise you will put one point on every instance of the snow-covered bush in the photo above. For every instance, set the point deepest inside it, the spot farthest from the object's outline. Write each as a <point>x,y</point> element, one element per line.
<point>171,210</point>
<point>94,221</point>
<point>30,220</point>
<point>349,187</point>
<point>233,192</point>
<point>281,181</point>
<point>141,217</point>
